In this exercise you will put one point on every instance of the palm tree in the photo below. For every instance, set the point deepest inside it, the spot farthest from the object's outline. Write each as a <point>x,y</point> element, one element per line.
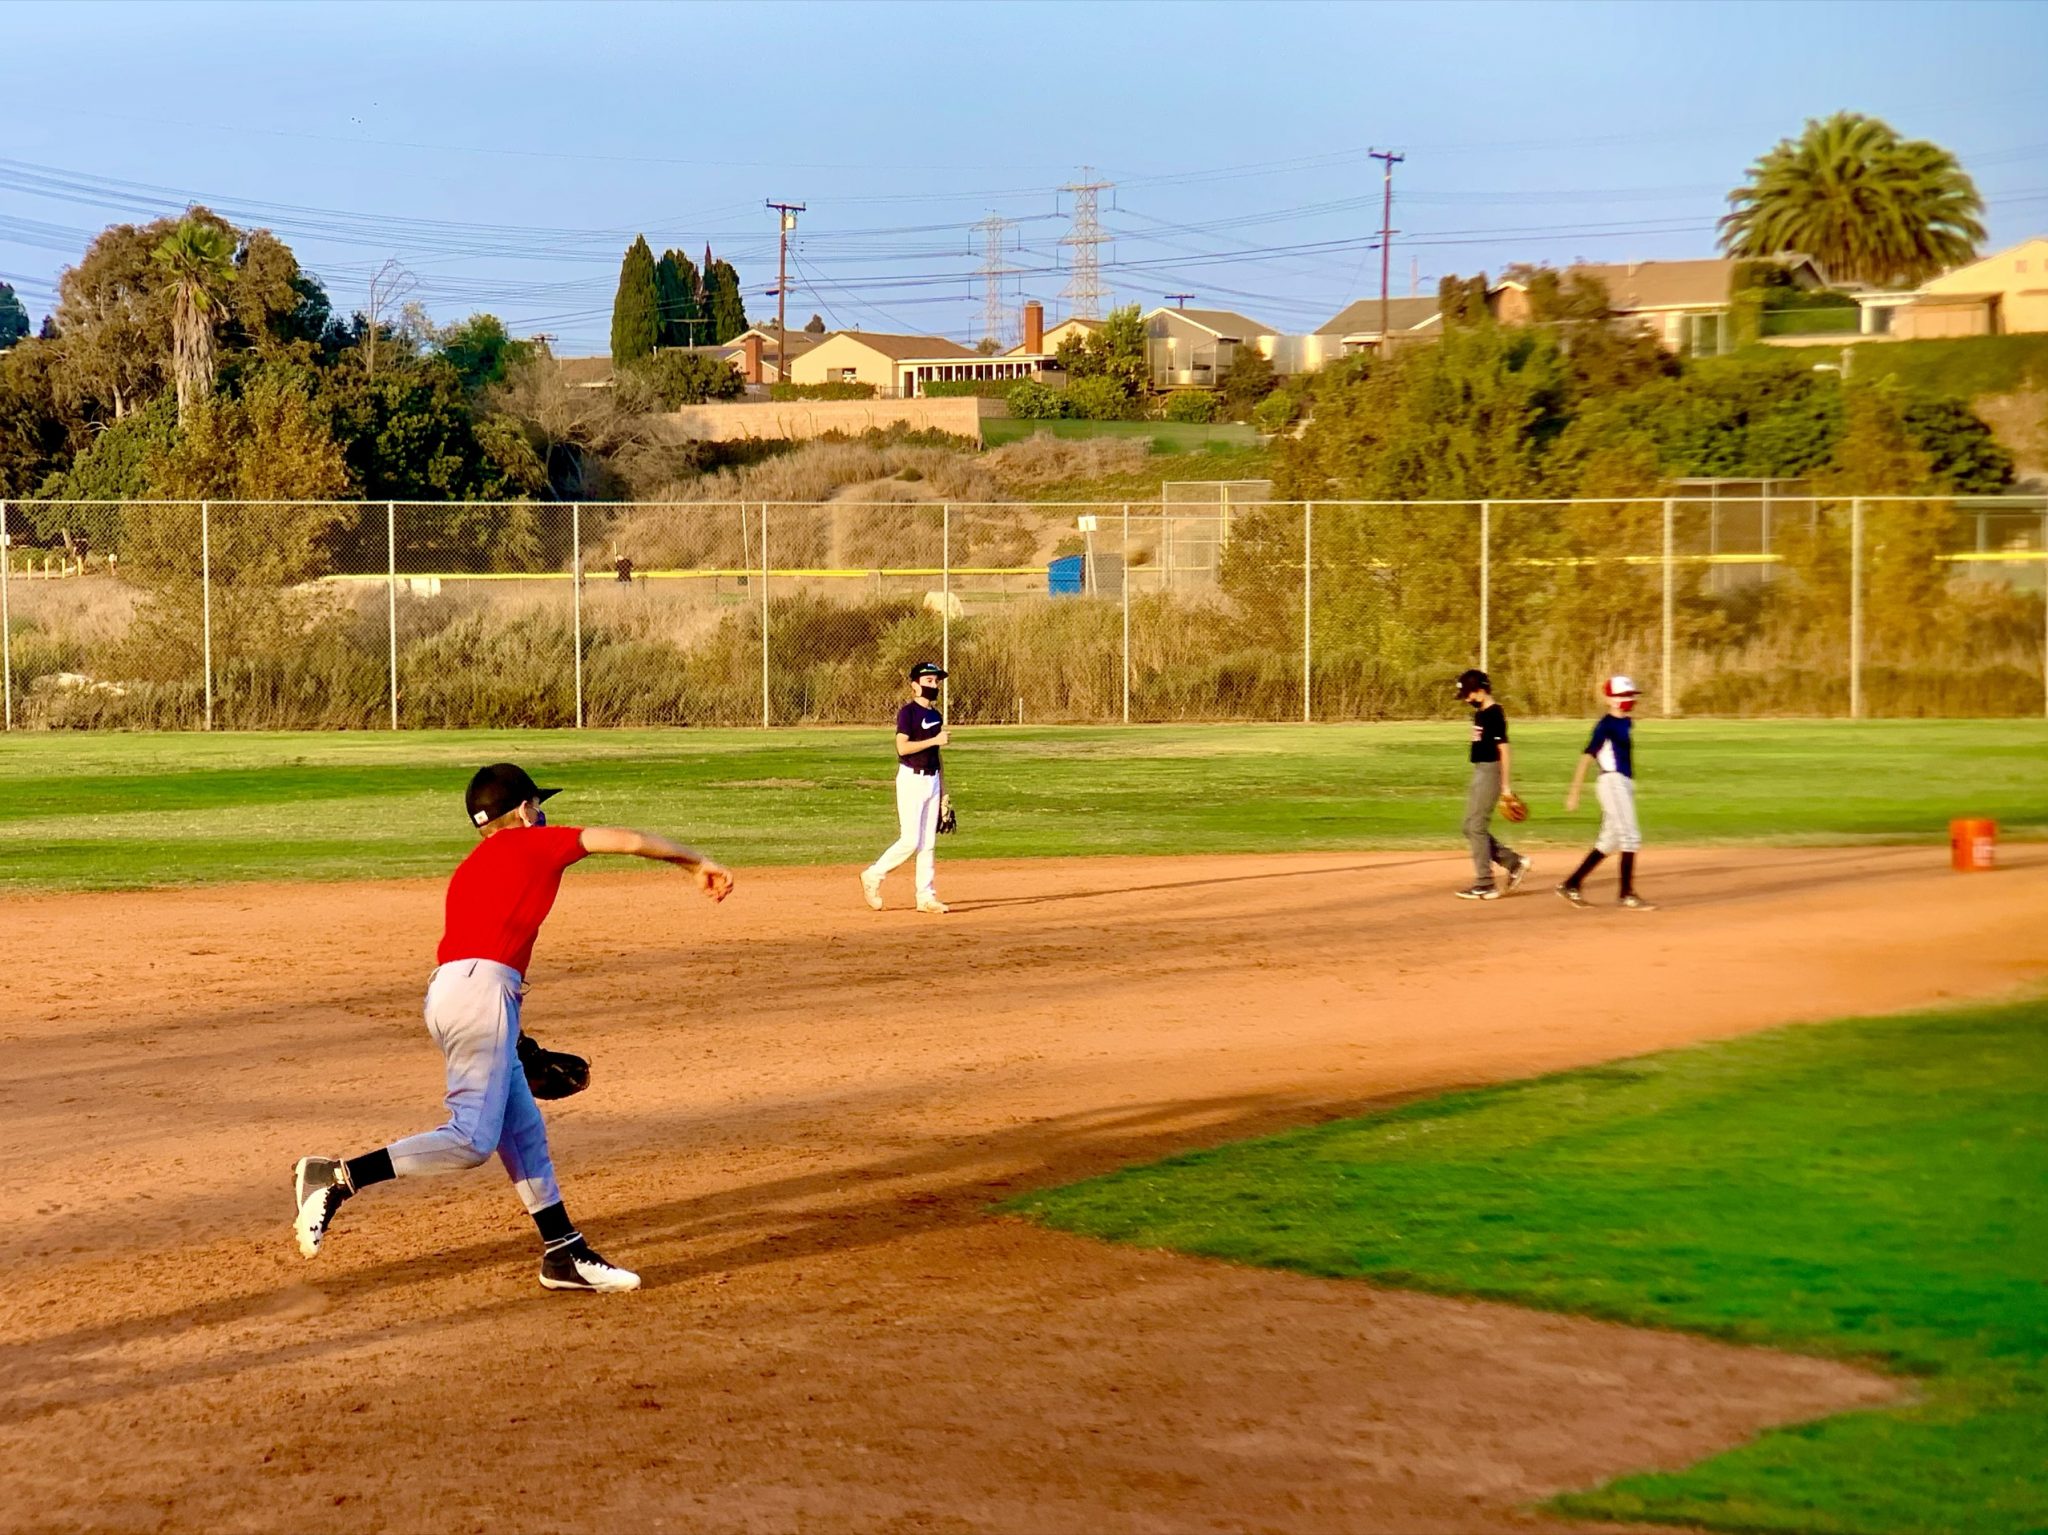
<point>200,259</point>
<point>1866,204</point>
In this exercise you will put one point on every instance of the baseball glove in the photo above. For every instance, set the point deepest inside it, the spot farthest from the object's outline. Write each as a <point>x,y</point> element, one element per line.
<point>552,1073</point>
<point>947,820</point>
<point>1512,807</point>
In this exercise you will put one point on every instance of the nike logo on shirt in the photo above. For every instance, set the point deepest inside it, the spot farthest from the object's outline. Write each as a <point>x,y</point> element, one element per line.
<point>928,724</point>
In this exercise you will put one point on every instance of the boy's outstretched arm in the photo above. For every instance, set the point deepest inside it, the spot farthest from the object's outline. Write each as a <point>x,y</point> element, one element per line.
<point>713,878</point>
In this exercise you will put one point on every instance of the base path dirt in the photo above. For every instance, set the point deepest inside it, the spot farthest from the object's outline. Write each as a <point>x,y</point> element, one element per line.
<point>800,1115</point>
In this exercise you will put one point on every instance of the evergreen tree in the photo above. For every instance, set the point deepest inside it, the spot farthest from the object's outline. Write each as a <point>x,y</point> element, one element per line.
<point>723,306</point>
<point>677,290</point>
<point>13,318</point>
<point>635,320</point>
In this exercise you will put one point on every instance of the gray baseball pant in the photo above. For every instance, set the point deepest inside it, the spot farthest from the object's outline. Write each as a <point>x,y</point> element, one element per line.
<point>1479,802</point>
<point>472,1012</point>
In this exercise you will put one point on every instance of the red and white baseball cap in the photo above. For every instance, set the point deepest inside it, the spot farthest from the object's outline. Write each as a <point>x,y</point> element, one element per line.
<point>1620,687</point>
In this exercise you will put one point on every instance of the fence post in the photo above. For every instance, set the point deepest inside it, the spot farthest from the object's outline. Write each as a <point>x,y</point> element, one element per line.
<point>1485,579</point>
<point>1667,695</point>
<point>1856,608</point>
<point>1308,608</point>
<point>6,626</point>
<point>946,608</point>
<point>391,594</point>
<point>576,576</point>
<point>2044,612</point>
<point>1127,612</point>
<point>206,603</point>
<point>764,615</point>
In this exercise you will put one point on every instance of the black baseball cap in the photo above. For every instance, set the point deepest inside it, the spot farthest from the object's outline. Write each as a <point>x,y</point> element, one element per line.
<point>926,669</point>
<point>499,789</point>
<point>1470,682</point>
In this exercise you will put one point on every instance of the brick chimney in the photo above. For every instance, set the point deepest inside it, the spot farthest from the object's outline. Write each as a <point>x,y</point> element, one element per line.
<point>1034,326</point>
<point>751,350</point>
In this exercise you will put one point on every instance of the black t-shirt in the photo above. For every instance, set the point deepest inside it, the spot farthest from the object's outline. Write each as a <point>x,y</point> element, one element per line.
<point>920,722</point>
<point>1489,733</point>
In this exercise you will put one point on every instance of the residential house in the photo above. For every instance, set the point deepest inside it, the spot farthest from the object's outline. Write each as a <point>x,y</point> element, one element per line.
<point>1684,304</point>
<point>1193,348</point>
<point>584,372</point>
<point>900,366</point>
<point>2000,294</point>
<point>757,354</point>
<point>1357,328</point>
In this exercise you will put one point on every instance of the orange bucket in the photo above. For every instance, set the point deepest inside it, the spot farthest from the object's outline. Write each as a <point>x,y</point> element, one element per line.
<point>1972,845</point>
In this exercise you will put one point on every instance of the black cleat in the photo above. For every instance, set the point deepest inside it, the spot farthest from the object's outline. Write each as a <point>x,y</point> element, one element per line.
<point>319,1185</point>
<point>1573,894</point>
<point>575,1265</point>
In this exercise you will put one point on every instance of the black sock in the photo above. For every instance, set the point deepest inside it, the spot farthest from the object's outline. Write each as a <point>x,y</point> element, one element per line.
<point>1578,875</point>
<point>1628,874</point>
<point>371,1167</point>
<point>554,1225</point>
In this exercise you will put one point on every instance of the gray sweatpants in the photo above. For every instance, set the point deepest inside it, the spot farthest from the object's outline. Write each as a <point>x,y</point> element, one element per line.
<point>473,1014</point>
<point>1479,802</point>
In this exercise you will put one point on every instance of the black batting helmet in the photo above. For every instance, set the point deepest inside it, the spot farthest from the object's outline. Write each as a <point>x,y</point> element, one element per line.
<point>1470,682</point>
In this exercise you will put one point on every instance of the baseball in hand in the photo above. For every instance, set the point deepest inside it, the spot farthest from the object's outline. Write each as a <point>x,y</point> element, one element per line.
<point>714,880</point>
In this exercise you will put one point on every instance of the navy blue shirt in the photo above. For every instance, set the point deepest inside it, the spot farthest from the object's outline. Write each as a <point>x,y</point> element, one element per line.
<point>920,722</point>
<point>1610,744</point>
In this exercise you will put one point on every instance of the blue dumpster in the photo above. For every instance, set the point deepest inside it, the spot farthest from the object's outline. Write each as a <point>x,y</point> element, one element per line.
<point>1065,577</point>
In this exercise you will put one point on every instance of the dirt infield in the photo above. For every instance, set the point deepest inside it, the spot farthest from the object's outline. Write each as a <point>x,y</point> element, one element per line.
<point>800,1114</point>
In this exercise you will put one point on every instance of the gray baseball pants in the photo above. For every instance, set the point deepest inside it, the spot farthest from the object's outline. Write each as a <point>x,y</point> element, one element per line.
<point>472,1012</point>
<point>1479,802</point>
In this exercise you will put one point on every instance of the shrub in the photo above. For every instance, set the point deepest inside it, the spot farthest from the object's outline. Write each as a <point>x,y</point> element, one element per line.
<point>681,378</point>
<point>970,388</point>
<point>839,390</point>
<point>1100,399</point>
<point>1276,412</point>
<point>1193,405</point>
<point>1031,401</point>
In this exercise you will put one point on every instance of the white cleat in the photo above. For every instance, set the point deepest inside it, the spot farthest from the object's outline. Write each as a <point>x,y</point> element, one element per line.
<point>871,891</point>
<point>933,906</point>
<point>577,1266</point>
<point>319,1185</point>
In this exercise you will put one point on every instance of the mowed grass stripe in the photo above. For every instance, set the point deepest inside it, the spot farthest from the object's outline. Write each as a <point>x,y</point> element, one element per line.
<point>1867,1189</point>
<point>125,811</point>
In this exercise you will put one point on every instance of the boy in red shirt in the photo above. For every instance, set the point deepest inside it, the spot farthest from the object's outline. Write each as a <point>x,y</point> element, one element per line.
<point>497,899</point>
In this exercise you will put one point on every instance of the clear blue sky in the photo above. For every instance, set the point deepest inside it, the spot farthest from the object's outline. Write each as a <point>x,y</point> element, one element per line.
<point>506,153</point>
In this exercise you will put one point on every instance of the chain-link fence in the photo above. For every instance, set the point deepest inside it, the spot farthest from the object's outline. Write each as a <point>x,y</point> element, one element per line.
<point>239,615</point>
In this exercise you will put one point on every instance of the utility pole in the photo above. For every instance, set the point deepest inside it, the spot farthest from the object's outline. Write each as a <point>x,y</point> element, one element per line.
<point>789,211</point>
<point>1390,160</point>
<point>1180,300</point>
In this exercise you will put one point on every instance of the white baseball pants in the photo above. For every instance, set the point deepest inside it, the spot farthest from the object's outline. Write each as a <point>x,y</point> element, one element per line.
<point>1618,829</point>
<point>473,1014</point>
<point>917,823</point>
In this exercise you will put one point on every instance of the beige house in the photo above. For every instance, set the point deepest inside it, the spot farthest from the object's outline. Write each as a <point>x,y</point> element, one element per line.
<point>1684,304</point>
<point>2000,294</point>
<point>1356,328</point>
<point>870,357</point>
<point>1193,348</point>
<point>755,352</point>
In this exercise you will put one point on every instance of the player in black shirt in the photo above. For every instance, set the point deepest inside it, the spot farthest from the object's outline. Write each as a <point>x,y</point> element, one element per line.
<point>1492,760</point>
<point>920,732</point>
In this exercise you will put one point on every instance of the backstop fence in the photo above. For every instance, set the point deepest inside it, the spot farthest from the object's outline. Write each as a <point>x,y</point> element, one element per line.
<point>359,615</point>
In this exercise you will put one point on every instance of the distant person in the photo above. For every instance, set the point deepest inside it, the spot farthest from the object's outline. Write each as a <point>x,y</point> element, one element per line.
<point>623,570</point>
<point>1492,761</point>
<point>497,899</point>
<point>920,732</point>
<point>1612,749</point>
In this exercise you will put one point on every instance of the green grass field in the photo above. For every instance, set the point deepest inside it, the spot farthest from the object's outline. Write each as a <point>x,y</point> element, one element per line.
<point>1165,436</point>
<point>126,811</point>
<point>1869,1190</point>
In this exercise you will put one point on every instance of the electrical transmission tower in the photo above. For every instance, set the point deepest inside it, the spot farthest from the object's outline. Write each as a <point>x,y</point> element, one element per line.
<point>1084,291</point>
<point>995,315</point>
